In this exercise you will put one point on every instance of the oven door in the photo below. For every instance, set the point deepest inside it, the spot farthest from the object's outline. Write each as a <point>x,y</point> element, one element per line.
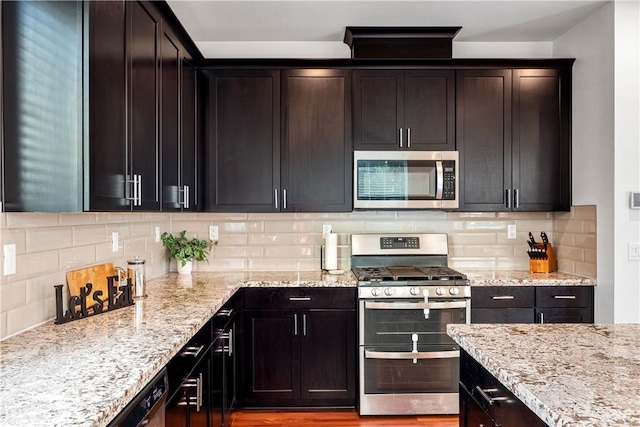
<point>399,321</point>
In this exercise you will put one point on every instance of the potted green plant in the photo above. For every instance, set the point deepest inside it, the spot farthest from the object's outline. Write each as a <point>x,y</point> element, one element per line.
<point>185,250</point>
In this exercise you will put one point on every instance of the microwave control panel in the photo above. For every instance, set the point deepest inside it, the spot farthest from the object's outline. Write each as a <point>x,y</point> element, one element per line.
<point>449,177</point>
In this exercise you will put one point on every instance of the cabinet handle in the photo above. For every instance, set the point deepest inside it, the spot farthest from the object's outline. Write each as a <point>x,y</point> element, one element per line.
<point>295,324</point>
<point>304,325</point>
<point>508,198</point>
<point>284,199</point>
<point>230,341</point>
<point>564,296</point>
<point>192,351</point>
<point>516,197</point>
<point>541,317</point>
<point>275,192</point>
<point>185,195</point>
<point>490,400</point>
<point>299,298</point>
<point>139,190</point>
<point>503,297</point>
<point>225,312</point>
<point>408,137</point>
<point>199,393</point>
<point>134,199</point>
<point>400,132</point>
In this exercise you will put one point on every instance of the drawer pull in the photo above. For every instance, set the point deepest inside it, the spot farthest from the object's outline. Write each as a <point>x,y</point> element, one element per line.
<point>503,297</point>
<point>225,312</point>
<point>299,298</point>
<point>564,296</point>
<point>192,351</point>
<point>490,400</point>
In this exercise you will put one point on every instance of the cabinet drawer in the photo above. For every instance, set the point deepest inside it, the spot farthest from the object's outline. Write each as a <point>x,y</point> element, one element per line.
<point>502,315</point>
<point>564,296</point>
<point>299,298</point>
<point>502,297</point>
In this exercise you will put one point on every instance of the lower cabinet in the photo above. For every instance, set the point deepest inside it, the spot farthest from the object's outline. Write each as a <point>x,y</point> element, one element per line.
<point>532,304</point>
<point>300,347</point>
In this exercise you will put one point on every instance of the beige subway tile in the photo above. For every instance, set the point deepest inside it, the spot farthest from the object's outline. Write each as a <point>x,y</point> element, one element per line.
<point>32,220</point>
<point>84,218</point>
<point>456,250</point>
<point>42,287</point>
<point>3,324</point>
<point>586,269</point>
<point>238,252</point>
<point>521,238</point>
<point>273,264</point>
<point>486,225</point>
<point>403,226</point>
<point>322,215</point>
<point>513,263</point>
<point>465,215</point>
<point>585,241</point>
<point>134,216</point>
<point>3,220</point>
<point>562,216</point>
<point>46,239</point>
<point>472,238</point>
<point>462,264</point>
<point>584,212</point>
<point>135,247</point>
<point>85,235</point>
<point>157,217</point>
<point>316,238</point>
<point>243,227</point>
<point>590,255</point>
<point>233,238</point>
<point>564,239</point>
<point>273,239</point>
<point>142,229</point>
<point>570,226</point>
<point>157,269</point>
<point>570,253</point>
<point>13,295</point>
<point>422,215</point>
<point>104,253</point>
<point>29,315</point>
<point>17,236</point>
<point>78,257</point>
<point>567,266</point>
<point>220,216</point>
<point>372,215</point>
<point>534,226</point>
<point>193,228</point>
<point>437,226</point>
<point>524,215</point>
<point>487,251</point>
<point>313,264</point>
<point>288,226</point>
<point>123,230</point>
<point>275,216</point>
<point>589,226</point>
<point>226,264</point>
<point>183,216</point>
<point>109,217</point>
<point>346,226</point>
<point>288,251</point>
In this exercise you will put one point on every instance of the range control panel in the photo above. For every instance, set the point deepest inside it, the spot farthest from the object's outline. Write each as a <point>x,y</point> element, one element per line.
<point>399,243</point>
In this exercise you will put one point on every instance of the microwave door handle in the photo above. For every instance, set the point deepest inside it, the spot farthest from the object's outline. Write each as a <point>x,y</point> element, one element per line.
<point>439,179</point>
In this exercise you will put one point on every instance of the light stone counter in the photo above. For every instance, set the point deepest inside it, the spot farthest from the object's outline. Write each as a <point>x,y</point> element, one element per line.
<point>83,373</point>
<point>524,278</point>
<point>568,374</point>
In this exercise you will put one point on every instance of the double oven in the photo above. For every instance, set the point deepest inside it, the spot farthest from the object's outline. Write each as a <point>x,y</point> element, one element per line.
<point>407,295</point>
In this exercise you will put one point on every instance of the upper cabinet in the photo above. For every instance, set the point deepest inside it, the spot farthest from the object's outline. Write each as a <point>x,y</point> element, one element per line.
<point>404,110</point>
<point>513,134</point>
<point>278,141</point>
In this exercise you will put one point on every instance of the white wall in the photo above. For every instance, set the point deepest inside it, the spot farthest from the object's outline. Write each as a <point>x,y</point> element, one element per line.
<point>502,49</point>
<point>605,146</point>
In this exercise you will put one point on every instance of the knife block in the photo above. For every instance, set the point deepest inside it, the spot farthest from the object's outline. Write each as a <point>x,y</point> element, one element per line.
<point>544,265</point>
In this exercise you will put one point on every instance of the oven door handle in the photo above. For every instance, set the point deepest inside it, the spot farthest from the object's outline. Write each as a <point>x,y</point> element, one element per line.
<point>402,355</point>
<point>414,305</point>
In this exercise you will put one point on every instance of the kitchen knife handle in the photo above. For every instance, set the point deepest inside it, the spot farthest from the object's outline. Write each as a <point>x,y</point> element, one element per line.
<point>400,132</point>
<point>516,198</point>
<point>508,198</point>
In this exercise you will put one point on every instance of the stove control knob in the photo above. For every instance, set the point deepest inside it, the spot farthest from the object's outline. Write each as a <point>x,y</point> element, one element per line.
<point>414,291</point>
<point>439,291</point>
<point>388,291</point>
<point>454,291</point>
<point>375,292</point>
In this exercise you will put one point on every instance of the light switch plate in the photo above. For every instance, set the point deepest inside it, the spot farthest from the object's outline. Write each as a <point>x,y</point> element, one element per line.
<point>213,232</point>
<point>511,231</point>
<point>9,259</point>
<point>115,244</point>
<point>634,251</point>
<point>157,234</point>
<point>326,229</point>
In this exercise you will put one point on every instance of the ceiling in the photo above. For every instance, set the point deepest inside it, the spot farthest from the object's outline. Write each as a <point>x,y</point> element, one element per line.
<point>315,28</point>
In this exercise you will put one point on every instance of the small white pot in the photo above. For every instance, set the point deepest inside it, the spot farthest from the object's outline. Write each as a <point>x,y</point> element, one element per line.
<point>186,269</point>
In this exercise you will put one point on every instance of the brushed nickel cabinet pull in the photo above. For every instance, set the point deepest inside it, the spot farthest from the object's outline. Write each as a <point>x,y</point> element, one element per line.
<point>501,297</point>
<point>564,296</point>
<point>400,132</point>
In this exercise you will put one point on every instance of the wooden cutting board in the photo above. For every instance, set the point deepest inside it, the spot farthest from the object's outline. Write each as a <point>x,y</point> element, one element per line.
<point>96,275</point>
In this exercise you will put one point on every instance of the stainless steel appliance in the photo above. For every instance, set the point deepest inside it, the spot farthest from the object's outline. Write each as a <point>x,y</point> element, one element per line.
<point>147,408</point>
<point>405,179</point>
<point>407,295</point>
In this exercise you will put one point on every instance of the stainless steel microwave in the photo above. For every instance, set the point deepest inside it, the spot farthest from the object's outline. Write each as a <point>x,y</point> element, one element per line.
<point>405,180</point>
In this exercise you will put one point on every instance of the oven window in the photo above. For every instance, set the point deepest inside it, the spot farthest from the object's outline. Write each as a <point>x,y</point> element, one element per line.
<point>396,179</point>
<point>392,326</point>
<point>388,376</point>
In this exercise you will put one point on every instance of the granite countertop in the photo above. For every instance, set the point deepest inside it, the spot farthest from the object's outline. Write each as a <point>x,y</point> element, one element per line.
<point>83,373</point>
<point>524,278</point>
<point>568,374</point>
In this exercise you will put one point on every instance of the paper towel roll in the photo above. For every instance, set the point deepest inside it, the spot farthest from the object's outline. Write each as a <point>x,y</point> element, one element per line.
<point>331,252</point>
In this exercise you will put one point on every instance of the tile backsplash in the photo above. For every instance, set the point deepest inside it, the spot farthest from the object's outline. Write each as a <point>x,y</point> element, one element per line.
<point>50,244</point>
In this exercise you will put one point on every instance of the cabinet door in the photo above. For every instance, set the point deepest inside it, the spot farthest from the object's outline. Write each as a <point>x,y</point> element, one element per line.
<point>378,108</point>
<point>502,315</point>
<point>190,406</point>
<point>273,357</point>
<point>541,140</point>
<point>242,170</point>
<point>429,117</point>
<point>169,116</point>
<point>316,147</point>
<point>564,315</point>
<point>143,33</point>
<point>483,138</point>
<point>107,107</point>
<point>189,137</point>
<point>472,414</point>
<point>328,365</point>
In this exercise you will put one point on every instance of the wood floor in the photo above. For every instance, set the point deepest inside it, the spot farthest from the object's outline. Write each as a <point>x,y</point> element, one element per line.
<point>335,419</point>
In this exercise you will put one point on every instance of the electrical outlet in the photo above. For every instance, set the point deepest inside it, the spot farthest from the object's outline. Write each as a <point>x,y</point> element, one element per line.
<point>326,229</point>
<point>157,234</point>
<point>213,232</point>
<point>511,231</point>
<point>634,251</point>
<point>9,259</point>
<point>115,244</point>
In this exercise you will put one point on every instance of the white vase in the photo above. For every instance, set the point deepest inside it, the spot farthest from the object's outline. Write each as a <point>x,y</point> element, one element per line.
<point>186,268</point>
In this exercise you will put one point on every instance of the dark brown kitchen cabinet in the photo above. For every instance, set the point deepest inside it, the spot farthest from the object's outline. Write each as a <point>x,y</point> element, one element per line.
<point>564,304</point>
<point>278,141</point>
<point>300,347</point>
<point>316,145</point>
<point>188,164</point>
<point>513,135</point>
<point>404,109</point>
<point>242,166</point>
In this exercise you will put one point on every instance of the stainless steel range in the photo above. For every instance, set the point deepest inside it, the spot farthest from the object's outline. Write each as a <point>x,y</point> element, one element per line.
<point>407,296</point>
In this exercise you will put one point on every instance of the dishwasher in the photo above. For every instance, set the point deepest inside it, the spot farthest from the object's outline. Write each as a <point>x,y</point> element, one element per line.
<point>147,408</point>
